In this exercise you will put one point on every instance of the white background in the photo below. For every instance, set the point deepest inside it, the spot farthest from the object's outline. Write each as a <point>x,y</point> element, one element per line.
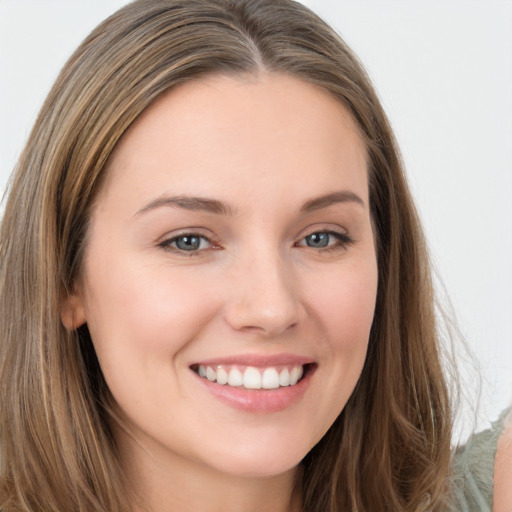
<point>443,69</point>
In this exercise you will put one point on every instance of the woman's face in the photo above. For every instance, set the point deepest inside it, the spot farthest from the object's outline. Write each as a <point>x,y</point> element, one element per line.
<point>230,251</point>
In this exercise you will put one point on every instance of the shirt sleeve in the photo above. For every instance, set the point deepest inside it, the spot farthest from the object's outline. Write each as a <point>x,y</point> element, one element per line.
<point>473,470</point>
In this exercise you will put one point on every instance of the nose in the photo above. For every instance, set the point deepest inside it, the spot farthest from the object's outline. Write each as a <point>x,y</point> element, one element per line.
<point>264,297</point>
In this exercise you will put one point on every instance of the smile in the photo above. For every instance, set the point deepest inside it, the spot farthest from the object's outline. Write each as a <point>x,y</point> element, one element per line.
<point>251,377</point>
<point>257,384</point>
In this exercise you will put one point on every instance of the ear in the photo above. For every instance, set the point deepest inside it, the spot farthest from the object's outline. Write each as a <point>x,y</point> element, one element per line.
<point>72,310</point>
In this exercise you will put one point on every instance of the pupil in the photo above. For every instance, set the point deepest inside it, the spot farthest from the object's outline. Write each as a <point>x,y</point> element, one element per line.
<point>188,243</point>
<point>318,240</point>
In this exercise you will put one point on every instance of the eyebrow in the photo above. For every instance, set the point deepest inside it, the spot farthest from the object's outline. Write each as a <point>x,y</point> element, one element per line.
<point>218,207</point>
<point>189,203</point>
<point>342,196</point>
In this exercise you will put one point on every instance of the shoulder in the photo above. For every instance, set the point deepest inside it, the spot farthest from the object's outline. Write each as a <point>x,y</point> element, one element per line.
<point>473,470</point>
<point>503,469</point>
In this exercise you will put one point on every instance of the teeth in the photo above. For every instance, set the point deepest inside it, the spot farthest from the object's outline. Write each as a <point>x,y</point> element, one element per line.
<point>222,376</point>
<point>210,374</point>
<point>270,379</point>
<point>294,376</point>
<point>252,378</point>
<point>235,378</point>
<point>284,377</point>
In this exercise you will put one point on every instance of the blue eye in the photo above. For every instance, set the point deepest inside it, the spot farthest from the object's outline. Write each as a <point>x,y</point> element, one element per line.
<point>318,240</point>
<point>188,242</point>
<point>325,240</point>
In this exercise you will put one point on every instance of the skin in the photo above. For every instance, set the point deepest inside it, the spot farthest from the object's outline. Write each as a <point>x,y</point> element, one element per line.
<point>502,501</point>
<point>264,147</point>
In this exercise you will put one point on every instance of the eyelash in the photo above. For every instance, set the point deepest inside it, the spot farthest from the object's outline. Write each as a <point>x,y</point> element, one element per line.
<point>167,244</point>
<point>343,241</point>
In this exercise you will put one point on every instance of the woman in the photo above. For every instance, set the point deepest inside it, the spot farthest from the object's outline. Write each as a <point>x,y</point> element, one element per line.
<point>217,291</point>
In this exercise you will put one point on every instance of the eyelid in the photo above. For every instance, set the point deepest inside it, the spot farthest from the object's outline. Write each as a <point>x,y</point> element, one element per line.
<point>343,237</point>
<point>165,241</point>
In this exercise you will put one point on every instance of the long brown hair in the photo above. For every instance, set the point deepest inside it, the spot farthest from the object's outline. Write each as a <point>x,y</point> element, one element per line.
<point>390,447</point>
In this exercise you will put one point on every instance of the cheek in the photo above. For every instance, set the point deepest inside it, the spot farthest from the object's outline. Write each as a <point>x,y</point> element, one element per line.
<point>153,312</point>
<point>170,306</point>
<point>345,302</point>
<point>141,327</point>
<point>341,301</point>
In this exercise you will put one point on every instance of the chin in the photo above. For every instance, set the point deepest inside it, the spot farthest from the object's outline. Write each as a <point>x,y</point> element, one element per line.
<point>261,462</point>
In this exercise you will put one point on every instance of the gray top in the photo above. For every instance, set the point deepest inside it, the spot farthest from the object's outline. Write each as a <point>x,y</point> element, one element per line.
<point>473,469</point>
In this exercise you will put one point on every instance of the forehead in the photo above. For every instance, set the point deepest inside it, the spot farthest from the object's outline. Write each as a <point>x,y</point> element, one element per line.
<point>230,128</point>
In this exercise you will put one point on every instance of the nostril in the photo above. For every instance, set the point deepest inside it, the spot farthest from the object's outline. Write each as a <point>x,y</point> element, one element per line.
<point>250,318</point>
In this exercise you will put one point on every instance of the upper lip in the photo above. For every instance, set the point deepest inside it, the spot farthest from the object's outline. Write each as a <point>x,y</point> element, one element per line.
<point>257,360</point>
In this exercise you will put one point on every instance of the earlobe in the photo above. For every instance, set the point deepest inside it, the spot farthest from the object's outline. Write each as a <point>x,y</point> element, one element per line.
<point>72,312</point>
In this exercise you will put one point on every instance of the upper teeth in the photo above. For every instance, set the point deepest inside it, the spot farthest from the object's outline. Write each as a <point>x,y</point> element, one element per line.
<point>251,377</point>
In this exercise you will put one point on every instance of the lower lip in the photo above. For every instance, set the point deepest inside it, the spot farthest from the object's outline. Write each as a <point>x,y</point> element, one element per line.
<point>260,400</point>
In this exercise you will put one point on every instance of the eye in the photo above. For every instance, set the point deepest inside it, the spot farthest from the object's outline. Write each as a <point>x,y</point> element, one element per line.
<point>325,240</point>
<point>187,242</point>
